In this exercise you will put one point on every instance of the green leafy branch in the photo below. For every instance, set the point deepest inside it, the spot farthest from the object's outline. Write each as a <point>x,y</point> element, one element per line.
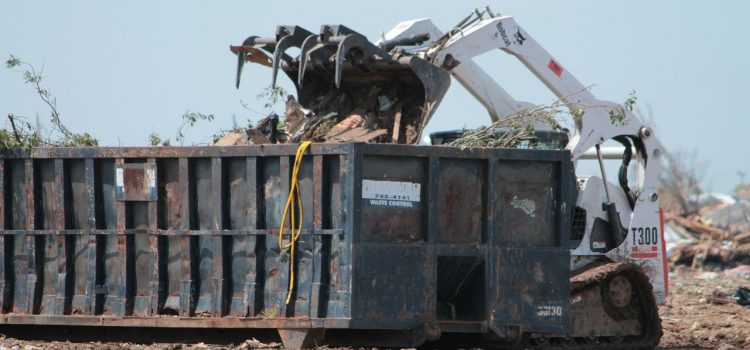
<point>189,119</point>
<point>618,115</point>
<point>271,96</point>
<point>24,135</point>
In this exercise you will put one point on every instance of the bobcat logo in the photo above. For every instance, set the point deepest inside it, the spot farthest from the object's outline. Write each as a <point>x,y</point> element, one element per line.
<point>519,37</point>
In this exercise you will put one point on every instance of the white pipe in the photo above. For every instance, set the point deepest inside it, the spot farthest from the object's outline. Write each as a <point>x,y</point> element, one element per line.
<point>607,153</point>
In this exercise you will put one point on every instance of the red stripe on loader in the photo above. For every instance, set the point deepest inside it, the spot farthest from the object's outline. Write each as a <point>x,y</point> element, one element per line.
<point>664,253</point>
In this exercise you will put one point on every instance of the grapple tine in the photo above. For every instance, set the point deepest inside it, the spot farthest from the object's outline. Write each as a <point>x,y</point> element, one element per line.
<point>340,56</point>
<point>241,59</point>
<point>281,46</point>
<point>304,56</point>
<point>240,64</point>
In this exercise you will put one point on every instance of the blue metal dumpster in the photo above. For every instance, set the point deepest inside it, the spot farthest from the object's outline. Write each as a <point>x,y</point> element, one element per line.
<point>399,244</point>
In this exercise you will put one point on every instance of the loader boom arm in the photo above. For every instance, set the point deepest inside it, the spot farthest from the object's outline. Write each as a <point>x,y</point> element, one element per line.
<point>498,102</point>
<point>505,34</point>
<point>597,121</point>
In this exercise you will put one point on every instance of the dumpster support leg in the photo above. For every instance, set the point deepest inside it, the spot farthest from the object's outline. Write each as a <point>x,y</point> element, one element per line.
<point>306,338</point>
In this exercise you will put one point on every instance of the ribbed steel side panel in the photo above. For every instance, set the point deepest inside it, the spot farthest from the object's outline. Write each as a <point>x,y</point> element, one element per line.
<point>203,244</point>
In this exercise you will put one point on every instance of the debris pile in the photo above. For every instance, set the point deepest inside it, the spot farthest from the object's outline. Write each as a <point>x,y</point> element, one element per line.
<point>717,238</point>
<point>383,120</point>
<point>385,117</point>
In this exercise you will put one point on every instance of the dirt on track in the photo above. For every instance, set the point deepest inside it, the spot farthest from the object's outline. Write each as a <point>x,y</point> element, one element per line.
<point>699,314</point>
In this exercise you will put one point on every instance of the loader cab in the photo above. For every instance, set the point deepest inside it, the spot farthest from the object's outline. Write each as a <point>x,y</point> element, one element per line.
<point>542,139</point>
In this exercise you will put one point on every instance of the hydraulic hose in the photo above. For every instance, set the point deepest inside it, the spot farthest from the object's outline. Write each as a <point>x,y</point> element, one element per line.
<point>622,177</point>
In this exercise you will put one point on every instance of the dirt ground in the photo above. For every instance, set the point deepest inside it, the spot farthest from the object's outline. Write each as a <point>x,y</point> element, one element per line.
<point>699,314</point>
<point>15,344</point>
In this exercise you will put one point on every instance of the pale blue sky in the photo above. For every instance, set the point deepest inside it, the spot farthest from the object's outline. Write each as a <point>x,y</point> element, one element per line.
<point>121,70</point>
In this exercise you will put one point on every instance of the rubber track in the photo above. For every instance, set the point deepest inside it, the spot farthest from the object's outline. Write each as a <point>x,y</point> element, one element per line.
<point>650,321</point>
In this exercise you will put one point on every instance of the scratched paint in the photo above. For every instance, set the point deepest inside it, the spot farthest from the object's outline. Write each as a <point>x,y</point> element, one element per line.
<point>526,205</point>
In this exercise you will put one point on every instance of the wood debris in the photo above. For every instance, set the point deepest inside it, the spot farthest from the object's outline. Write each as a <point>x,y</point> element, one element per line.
<point>351,122</point>
<point>367,113</point>
<point>395,135</point>
<point>230,139</point>
<point>705,245</point>
<point>358,134</point>
<point>696,226</point>
<point>255,137</point>
<point>294,117</point>
<point>352,129</point>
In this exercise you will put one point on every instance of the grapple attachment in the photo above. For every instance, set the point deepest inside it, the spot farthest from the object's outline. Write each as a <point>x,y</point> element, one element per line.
<point>339,71</point>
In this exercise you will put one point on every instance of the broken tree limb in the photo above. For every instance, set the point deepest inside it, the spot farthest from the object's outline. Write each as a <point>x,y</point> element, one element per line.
<point>13,125</point>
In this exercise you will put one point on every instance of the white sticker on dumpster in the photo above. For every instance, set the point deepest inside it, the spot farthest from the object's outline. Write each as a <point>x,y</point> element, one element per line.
<point>395,194</point>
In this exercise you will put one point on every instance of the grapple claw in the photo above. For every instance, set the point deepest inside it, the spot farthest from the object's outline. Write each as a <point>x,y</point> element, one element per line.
<point>344,73</point>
